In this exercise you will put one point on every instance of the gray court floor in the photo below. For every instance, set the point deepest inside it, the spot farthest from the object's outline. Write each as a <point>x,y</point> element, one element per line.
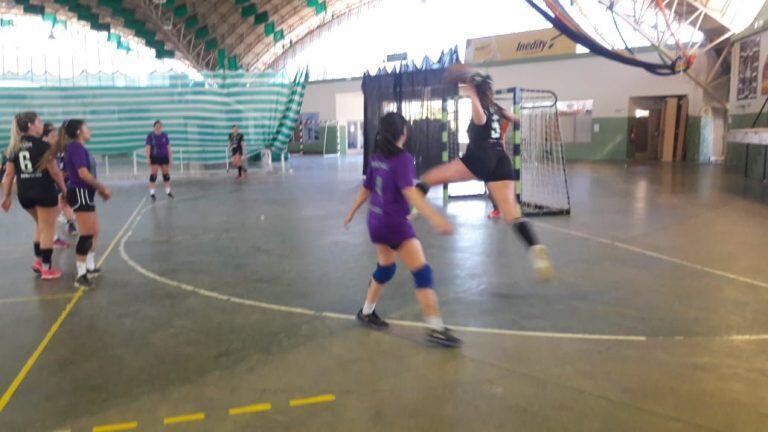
<point>239,294</point>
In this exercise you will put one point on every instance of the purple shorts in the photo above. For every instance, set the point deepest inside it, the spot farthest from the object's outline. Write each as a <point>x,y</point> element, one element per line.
<point>389,232</point>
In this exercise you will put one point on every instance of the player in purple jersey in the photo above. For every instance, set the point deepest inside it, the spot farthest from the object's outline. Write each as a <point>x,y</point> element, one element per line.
<point>82,187</point>
<point>389,186</point>
<point>32,166</point>
<point>486,160</point>
<point>159,156</point>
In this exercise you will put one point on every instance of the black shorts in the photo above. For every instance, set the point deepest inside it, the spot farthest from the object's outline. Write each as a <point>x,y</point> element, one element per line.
<point>159,160</point>
<point>39,196</point>
<point>81,200</point>
<point>237,150</point>
<point>489,164</point>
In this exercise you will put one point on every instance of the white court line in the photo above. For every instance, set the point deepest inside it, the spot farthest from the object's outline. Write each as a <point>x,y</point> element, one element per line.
<point>466,329</point>
<point>656,255</point>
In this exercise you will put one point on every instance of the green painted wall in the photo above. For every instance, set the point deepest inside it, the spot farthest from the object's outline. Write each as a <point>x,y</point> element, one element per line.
<point>693,139</point>
<point>610,143</point>
<point>736,153</point>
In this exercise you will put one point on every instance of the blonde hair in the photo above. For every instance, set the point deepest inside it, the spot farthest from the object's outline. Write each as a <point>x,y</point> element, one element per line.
<point>19,127</point>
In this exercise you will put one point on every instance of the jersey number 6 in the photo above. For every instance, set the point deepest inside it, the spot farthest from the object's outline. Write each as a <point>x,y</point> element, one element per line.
<point>25,162</point>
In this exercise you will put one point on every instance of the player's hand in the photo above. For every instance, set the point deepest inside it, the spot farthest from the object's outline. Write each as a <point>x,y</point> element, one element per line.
<point>105,193</point>
<point>443,226</point>
<point>6,204</point>
<point>348,220</point>
<point>63,195</point>
<point>468,90</point>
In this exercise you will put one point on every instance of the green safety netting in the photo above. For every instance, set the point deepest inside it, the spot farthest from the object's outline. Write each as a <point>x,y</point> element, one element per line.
<point>197,115</point>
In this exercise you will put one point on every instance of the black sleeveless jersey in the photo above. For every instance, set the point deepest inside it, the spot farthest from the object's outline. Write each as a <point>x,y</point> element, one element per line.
<point>489,133</point>
<point>236,140</point>
<point>26,162</point>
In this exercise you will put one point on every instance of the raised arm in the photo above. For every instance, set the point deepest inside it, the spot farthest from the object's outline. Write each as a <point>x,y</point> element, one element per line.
<point>478,115</point>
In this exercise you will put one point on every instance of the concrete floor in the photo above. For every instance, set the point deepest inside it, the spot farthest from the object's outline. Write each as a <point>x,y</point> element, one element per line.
<point>666,262</point>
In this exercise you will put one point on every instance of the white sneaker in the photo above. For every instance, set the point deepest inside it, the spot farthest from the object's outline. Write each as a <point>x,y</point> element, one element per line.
<point>540,262</point>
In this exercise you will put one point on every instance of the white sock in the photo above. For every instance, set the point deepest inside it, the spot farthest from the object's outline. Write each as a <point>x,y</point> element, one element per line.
<point>435,322</point>
<point>167,190</point>
<point>152,192</point>
<point>368,308</point>
<point>81,268</point>
<point>90,261</point>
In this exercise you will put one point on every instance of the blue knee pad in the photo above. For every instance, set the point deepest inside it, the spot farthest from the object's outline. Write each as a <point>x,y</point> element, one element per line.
<point>383,274</point>
<point>423,277</point>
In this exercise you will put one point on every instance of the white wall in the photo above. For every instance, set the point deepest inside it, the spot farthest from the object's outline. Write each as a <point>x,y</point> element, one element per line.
<point>321,98</point>
<point>349,107</point>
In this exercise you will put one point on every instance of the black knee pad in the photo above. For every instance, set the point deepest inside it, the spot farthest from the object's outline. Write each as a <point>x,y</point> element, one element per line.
<point>84,245</point>
<point>166,178</point>
<point>152,178</point>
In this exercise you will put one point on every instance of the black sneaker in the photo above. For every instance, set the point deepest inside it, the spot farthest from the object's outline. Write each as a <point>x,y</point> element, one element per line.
<point>83,282</point>
<point>443,337</point>
<point>153,197</point>
<point>170,195</point>
<point>93,274</point>
<point>372,320</point>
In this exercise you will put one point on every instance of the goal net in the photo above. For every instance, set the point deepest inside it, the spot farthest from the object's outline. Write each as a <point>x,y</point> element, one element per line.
<point>537,152</point>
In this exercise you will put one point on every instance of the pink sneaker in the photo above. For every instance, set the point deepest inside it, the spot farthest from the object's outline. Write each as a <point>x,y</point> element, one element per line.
<point>60,244</point>
<point>50,274</point>
<point>37,266</point>
<point>495,214</point>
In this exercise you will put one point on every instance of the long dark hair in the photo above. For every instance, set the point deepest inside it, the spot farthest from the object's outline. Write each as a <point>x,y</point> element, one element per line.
<point>391,129</point>
<point>69,131</point>
<point>483,84</point>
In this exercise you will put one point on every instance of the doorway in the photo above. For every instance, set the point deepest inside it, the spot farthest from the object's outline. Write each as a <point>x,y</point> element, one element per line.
<point>657,128</point>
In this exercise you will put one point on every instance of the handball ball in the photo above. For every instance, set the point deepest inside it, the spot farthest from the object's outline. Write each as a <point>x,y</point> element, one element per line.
<point>457,74</point>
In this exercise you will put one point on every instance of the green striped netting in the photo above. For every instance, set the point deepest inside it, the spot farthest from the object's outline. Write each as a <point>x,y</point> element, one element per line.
<point>197,116</point>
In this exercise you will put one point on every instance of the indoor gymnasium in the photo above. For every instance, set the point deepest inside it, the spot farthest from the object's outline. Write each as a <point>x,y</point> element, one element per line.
<point>383,215</point>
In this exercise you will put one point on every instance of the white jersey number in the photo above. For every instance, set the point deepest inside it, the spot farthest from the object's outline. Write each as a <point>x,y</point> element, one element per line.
<point>379,186</point>
<point>25,162</point>
<point>495,127</point>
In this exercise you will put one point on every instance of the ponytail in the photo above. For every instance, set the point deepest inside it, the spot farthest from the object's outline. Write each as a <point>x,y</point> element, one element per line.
<point>391,129</point>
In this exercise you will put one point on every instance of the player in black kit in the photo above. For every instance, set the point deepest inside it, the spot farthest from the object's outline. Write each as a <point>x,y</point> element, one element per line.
<point>236,146</point>
<point>32,164</point>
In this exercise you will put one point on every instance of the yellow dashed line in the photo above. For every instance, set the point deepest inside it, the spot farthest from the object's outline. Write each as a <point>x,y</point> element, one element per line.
<point>312,400</point>
<point>184,418</point>
<point>250,409</point>
<point>116,427</point>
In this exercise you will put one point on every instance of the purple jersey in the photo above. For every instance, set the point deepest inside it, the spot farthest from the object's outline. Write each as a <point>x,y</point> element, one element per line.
<point>75,157</point>
<point>388,212</point>
<point>158,144</point>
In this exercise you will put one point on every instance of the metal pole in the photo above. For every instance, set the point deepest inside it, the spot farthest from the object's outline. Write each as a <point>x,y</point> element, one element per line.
<point>106,163</point>
<point>181,157</point>
<point>135,165</point>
